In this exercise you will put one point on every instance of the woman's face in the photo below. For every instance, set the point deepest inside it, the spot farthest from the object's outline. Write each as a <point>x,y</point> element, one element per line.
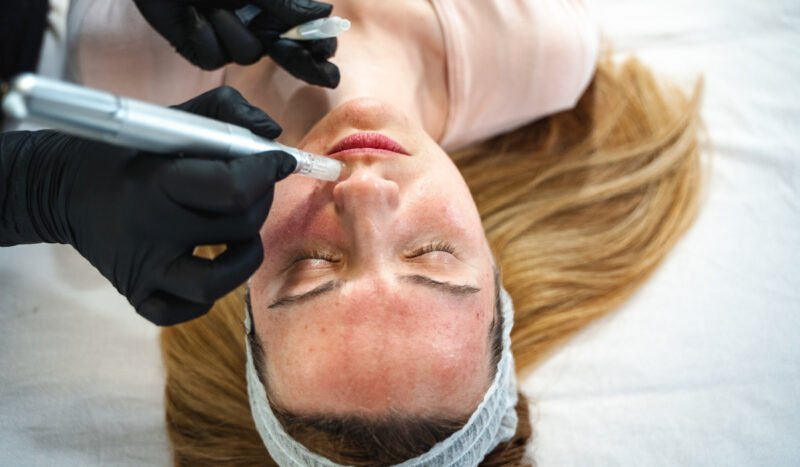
<point>376,295</point>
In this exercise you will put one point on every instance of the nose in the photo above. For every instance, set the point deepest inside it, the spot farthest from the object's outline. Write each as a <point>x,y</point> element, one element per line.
<point>366,201</point>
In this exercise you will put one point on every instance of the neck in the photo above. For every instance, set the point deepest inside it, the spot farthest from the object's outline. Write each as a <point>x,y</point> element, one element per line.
<point>393,52</point>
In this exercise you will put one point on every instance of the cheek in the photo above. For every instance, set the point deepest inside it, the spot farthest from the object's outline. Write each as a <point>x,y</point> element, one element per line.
<point>289,219</point>
<point>445,211</point>
<point>442,194</point>
<point>289,202</point>
<point>301,210</point>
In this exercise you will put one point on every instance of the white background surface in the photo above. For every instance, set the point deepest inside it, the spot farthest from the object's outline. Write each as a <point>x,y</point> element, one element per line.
<point>701,367</point>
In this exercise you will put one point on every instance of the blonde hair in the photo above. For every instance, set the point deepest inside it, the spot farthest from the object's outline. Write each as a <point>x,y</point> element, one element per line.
<point>579,208</point>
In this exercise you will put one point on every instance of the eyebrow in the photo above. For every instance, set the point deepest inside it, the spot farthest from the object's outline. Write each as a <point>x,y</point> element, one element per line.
<point>305,296</point>
<point>458,290</point>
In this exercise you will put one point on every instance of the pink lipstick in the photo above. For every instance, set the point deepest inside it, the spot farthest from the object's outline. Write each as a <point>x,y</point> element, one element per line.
<point>361,141</point>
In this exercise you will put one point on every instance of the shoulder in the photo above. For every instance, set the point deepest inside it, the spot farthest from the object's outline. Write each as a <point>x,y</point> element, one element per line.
<point>113,48</point>
<point>513,61</point>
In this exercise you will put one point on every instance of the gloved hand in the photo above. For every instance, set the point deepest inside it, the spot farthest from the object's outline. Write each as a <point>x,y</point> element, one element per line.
<point>137,216</point>
<point>208,34</point>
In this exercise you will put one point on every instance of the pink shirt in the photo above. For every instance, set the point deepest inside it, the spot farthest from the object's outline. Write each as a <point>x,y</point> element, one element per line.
<point>508,61</point>
<point>112,47</point>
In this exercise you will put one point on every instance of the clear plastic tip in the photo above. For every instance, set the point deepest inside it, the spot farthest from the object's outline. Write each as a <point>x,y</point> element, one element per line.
<point>323,28</point>
<point>323,168</point>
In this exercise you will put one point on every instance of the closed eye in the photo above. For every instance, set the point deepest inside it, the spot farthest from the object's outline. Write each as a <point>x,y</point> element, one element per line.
<point>312,259</point>
<point>329,257</point>
<point>431,248</point>
<point>315,255</point>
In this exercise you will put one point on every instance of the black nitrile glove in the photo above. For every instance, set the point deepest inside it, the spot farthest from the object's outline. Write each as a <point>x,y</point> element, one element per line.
<point>137,216</point>
<point>208,34</point>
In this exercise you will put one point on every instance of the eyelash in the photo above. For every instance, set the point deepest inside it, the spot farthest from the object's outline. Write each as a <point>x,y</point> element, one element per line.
<point>423,250</point>
<point>316,254</point>
<point>431,247</point>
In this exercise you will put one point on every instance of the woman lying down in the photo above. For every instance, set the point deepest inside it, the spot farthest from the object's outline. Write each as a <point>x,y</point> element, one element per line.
<point>506,188</point>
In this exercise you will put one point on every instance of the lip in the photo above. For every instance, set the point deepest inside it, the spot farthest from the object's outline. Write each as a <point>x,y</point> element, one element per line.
<point>367,142</point>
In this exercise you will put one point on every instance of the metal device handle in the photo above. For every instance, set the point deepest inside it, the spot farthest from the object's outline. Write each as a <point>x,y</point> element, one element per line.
<point>103,116</point>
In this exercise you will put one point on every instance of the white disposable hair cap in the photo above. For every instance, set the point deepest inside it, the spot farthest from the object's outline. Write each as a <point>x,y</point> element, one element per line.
<point>492,423</point>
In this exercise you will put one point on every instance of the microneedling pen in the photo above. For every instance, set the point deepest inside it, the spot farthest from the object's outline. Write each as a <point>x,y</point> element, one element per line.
<point>323,28</point>
<point>102,116</point>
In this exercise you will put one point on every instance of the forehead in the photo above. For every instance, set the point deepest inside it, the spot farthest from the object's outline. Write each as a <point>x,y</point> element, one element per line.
<point>378,347</point>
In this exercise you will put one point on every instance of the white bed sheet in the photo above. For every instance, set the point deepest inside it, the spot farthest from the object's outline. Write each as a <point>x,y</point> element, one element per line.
<point>701,367</point>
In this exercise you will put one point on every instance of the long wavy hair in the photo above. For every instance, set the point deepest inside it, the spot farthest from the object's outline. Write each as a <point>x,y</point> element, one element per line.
<point>579,207</point>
